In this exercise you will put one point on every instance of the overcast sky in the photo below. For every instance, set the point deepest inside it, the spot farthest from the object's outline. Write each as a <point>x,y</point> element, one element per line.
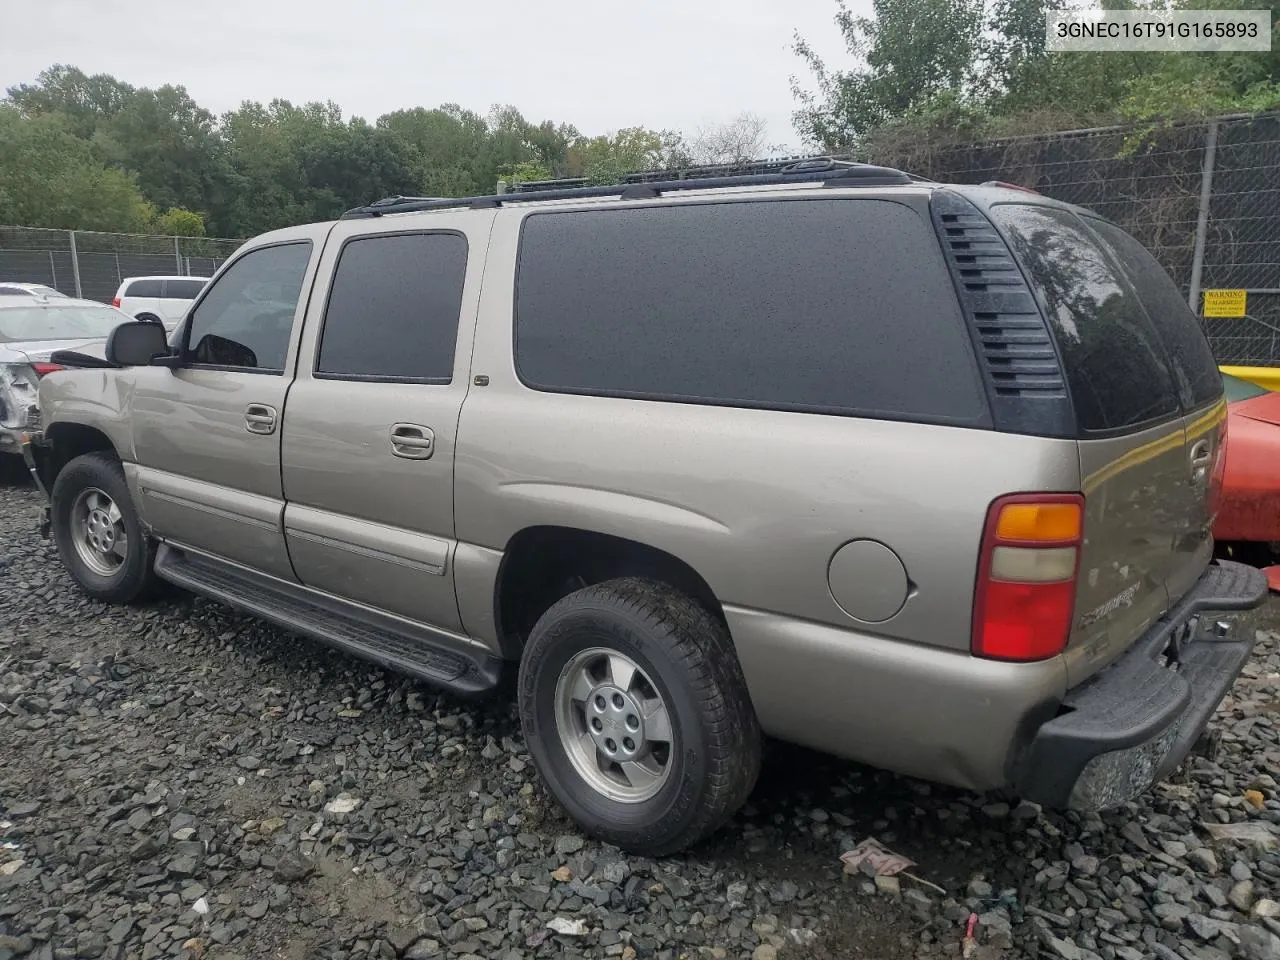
<point>599,64</point>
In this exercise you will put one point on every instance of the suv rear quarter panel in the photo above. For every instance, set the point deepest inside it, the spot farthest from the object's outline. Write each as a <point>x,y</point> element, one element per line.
<point>757,502</point>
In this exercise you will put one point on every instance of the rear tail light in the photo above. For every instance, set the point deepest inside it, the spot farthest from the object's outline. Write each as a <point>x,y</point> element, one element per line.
<point>115,302</point>
<point>1026,589</point>
<point>41,368</point>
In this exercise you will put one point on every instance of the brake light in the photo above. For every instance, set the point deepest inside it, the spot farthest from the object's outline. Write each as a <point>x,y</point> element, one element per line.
<point>115,302</point>
<point>41,368</point>
<point>1026,591</point>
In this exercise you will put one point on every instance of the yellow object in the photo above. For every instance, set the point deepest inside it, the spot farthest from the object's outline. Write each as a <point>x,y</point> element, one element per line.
<point>1267,377</point>
<point>1039,521</point>
<point>1225,303</point>
<point>1255,798</point>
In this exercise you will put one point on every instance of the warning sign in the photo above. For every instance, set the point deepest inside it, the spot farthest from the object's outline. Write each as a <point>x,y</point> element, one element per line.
<point>1224,303</point>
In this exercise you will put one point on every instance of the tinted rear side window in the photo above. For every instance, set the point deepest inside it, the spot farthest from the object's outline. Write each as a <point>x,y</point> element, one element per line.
<point>830,305</point>
<point>393,308</point>
<point>183,289</point>
<point>1115,364</point>
<point>1189,355</point>
<point>144,288</point>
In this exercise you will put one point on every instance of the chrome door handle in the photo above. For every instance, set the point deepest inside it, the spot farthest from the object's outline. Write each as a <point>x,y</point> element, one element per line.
<point>1200,453</point>
<point>412,441</point>
<point>260,418</point>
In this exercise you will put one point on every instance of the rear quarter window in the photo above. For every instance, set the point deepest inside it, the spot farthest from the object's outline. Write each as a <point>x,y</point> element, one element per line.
<point>840,306</point>
<point>1116,366</point>
<point>1190,357</point>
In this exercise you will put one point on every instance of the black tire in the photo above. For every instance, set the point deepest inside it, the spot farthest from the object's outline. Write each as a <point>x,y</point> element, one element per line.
<point>149,318</point>
<point>689,658</point>
<point>135,579</point>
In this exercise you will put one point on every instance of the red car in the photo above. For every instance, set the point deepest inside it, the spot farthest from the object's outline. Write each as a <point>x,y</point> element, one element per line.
<point>1248,524</point>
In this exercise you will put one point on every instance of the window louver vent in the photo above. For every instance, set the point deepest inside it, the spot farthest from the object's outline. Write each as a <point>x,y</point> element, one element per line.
<point>1019,356</point>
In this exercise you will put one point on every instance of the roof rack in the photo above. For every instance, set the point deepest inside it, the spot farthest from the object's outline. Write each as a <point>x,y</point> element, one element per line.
<point>824,170</point>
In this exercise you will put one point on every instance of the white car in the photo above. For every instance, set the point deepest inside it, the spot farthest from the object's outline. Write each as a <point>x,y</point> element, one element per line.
<point>158,299</point>
<point>10,288</point>
<point>31,329</point>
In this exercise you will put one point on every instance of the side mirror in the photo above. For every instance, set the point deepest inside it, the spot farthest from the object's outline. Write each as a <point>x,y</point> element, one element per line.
<point>136,344</point>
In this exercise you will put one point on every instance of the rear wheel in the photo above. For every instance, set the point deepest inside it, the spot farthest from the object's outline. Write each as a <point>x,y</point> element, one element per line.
<point>97,531</point>
<point>149,318</point>
<point>636,712</point>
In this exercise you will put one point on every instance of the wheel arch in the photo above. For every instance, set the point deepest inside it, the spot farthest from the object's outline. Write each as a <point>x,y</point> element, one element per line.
<point>543,563</point>
<point>64,442</point>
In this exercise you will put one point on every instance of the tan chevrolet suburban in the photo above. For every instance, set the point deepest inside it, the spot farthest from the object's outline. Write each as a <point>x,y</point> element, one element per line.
<point>920,475</point>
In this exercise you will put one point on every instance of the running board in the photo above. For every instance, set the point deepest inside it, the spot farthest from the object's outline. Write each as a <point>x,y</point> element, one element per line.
<point>439,658</point>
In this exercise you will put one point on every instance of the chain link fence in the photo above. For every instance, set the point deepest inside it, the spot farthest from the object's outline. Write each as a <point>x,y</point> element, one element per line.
<point>85,263</point>
<point>1204,197</point>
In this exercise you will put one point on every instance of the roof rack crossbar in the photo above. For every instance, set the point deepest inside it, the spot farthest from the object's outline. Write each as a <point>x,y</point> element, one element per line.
<point>832,173</point>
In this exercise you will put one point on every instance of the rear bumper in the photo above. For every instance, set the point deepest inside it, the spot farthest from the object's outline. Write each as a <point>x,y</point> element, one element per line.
<point>1133,723</point>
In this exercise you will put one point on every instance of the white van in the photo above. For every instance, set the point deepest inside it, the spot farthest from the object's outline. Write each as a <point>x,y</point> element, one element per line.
<point>158,299</point>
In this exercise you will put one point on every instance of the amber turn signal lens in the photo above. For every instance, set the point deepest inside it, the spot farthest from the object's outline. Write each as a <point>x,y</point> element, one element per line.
<point>1039,522</point>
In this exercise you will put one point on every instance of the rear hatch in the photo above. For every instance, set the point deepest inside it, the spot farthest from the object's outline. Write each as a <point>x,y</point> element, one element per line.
<point>1148,403</point>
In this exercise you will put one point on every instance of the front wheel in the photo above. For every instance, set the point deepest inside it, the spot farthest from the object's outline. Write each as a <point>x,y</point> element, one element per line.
<point>637,715</point>
<point>97,531</point>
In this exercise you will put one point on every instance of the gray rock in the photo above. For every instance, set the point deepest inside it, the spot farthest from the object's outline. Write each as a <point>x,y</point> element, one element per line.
<point>1241,895</point>
<point>783,892</point>
<point>290,869</point>
<point>979,889</point>
<point>184,866</point>
<point>568,844</point>
<point>1258,944</point>
<point>1204,859</point>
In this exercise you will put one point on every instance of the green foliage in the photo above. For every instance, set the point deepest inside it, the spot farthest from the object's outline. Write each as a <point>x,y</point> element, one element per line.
<point>177,222</point>
<point>932,71</point>
<point>50,178</point>
<point>904,56</point>
<point>260,167</point>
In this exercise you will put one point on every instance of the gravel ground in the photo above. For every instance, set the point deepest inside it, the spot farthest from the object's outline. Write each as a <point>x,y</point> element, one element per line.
<point>179,780</point>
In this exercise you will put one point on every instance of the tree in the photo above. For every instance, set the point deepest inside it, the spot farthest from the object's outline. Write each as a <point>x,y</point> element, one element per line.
<point>927,67</point>
<point>742,139</point>
<point>606,158</point>
<point>177,222</point>
<point>449,143</point>
<point>82,101</point>
<point>50,178</point>
<point>170,143</point>
<point>909,53</point>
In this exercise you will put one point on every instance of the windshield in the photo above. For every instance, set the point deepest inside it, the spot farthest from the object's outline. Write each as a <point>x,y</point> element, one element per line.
<point>58,322</point>
<point>1237,389</point>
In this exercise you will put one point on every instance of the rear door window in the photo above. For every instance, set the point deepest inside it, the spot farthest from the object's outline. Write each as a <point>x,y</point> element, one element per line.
<point>1115,363</point>
<point>1190,358</point>
<point>840,306</point>
<point>144,288</point>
